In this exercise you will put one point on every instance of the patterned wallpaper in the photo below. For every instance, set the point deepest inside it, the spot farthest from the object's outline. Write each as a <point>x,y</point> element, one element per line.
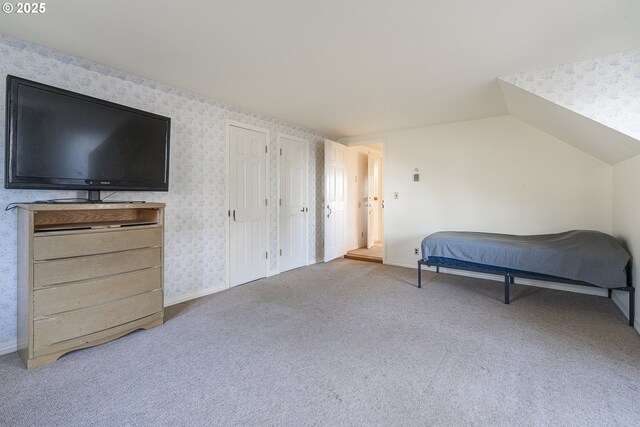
<point>195,253</point>
<point>605,89</point>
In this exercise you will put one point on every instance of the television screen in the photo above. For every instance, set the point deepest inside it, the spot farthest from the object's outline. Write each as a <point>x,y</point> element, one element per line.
<point>65,140</point>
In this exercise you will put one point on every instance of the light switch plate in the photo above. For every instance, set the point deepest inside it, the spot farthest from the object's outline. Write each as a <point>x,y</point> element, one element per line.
<point>416,177</point>
<point>396,195</point>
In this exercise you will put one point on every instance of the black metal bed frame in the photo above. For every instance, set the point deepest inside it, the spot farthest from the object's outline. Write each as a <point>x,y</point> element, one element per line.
<point>510,276</point>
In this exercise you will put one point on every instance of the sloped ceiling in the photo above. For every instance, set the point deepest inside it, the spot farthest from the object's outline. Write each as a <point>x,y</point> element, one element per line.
<point>592,104</point>
<point>342,67</point>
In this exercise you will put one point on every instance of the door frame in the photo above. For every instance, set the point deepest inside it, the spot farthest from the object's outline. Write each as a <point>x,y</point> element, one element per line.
<point>227,179</point>
<point>386,194</point>
<point>370,210</point>
<point>279,137</point>
<point>379,214</point>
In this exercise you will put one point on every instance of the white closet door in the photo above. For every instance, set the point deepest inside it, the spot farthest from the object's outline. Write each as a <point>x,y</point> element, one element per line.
<point>247,204</point>
<point>335,194</point>
<point>294,190</point>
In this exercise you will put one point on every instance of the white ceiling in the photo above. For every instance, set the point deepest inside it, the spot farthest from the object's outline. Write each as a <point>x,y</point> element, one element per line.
<point>344,67</point>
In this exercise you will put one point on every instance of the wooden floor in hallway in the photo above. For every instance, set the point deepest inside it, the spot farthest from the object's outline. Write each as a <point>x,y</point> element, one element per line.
<point>373,254</point>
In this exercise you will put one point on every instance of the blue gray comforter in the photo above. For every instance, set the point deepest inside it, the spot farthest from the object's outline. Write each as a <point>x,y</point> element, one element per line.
<point>587,256</point>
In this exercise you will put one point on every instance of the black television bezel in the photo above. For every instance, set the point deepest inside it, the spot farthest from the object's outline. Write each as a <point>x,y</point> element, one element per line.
<point>11,118</point>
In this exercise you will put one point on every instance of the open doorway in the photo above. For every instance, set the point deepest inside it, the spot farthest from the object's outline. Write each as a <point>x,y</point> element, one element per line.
<point>366,205</point>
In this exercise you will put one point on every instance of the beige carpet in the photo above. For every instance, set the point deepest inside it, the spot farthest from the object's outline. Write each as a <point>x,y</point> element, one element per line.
<point>349,343</point>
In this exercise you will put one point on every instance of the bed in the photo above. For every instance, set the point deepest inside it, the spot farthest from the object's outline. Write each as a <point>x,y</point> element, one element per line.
<point>585,258</point>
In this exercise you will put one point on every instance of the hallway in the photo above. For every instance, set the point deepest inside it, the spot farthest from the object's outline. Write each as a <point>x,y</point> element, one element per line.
<point>374,254</point>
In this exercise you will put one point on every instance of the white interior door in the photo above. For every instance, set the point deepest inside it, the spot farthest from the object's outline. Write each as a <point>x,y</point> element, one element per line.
<point>294,207</point>
<point>335,194</point>
<point>377,199</point>
<point>247,205</point>
<point>370,203</point>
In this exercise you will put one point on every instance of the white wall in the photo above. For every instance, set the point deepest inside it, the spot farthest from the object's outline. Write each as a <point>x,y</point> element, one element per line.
<point>495,175</point>
<point>626,219</point>
<point>195,213</point>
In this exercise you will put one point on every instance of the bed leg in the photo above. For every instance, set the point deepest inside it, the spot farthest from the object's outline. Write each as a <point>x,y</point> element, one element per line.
<point>632,305</point>
<point>419,274</point>
<point>507,281</point>
<point>609,293</point>
<point>437,269</point>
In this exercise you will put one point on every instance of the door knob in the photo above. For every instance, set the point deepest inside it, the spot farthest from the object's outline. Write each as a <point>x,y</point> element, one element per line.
<point>330,211</point>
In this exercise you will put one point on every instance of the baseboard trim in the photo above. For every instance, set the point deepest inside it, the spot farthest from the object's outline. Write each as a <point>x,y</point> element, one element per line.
<point>621,302</point>
<point>530,282</point>
<point>621,299</point>
<point>193,295</point>
<point>400,264</point>
<point>617,299</point>
<point>525,282</point>
<point>8,347</point>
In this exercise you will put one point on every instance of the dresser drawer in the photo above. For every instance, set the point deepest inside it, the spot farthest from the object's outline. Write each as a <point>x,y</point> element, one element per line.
<point>86,321</point>
<point>89,267</point>
<point>58,299</point>
<point>79,244</point>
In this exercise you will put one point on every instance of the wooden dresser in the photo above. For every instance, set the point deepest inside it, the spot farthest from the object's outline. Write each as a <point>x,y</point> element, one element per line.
<point>87,274</point>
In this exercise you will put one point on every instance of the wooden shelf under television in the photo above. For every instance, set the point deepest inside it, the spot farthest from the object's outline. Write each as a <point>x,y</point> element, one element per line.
<point>91,225</point>
<point>82,216</point>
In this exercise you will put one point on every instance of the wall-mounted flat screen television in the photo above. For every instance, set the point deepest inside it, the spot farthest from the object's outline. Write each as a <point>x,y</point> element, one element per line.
<point>57,139</point>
